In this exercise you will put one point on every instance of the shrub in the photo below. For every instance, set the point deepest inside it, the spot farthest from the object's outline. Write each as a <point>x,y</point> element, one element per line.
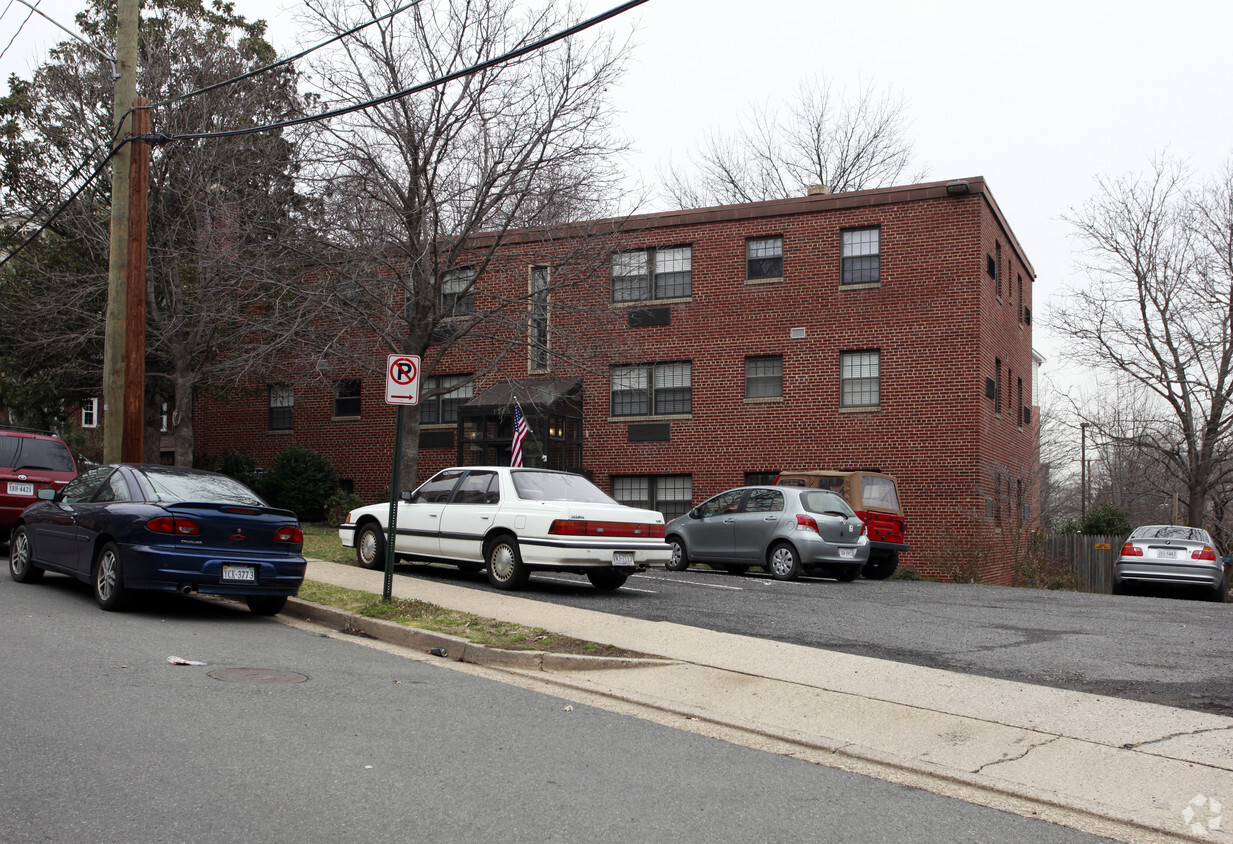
<point>239,464</point>
<point>300,480</point>
<point>340,504</point>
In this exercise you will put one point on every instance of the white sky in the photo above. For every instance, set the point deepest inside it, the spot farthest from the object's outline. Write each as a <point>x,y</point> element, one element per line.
<point>1038,97</point>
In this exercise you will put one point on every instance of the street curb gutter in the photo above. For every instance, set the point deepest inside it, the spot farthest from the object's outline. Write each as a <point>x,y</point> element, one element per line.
<point>456,647</point>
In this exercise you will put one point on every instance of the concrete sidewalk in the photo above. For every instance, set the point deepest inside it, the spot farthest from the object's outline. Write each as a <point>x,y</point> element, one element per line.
<point>1125,769</point>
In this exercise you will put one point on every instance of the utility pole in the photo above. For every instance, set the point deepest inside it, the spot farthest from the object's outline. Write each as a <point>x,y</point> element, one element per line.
<point>1083,472</point>
<point>133,447</point>
<point>127,12</point>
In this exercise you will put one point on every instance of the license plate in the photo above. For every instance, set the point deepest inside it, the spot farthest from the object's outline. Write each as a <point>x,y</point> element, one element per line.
<point>622,558</point>
<point>1167,553</point>
<point>847,553</point>
<point>241,574</point>
<point>16,488</point>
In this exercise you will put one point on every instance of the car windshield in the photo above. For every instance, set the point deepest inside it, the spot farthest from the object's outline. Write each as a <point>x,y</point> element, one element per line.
<point>822,501</point>
<point>44,454</point>
<point>557,486</point>
<point>1172,532</point>
<point>176,486</point>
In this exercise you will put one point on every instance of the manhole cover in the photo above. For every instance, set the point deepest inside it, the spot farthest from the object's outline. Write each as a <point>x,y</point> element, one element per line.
<point>263,676</point>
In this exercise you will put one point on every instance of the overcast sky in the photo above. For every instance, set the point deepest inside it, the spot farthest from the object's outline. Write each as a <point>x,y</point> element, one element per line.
<point>1037,97</point>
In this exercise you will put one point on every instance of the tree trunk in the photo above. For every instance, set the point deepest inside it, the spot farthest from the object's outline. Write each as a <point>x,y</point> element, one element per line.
<point>181,421</point>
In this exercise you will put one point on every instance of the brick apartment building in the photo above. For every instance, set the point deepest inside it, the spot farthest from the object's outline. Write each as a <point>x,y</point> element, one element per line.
<point>883,329</point>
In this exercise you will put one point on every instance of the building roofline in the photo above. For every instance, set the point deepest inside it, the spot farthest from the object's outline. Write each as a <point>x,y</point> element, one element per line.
<point>776,208</point>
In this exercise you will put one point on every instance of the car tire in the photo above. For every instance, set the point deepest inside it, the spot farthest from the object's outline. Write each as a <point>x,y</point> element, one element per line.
<point>783,562</point>
<point>266,604</point>
<point>847,574</point>
<point>607,579</point>
<point>109,590</point>
<point>1219,593</point>
<point>21,561</point>
<point>680,557</point>
<point>1121,587</point>
<point>370,546</point>
<point>505,566</point>
<point>881,565</point>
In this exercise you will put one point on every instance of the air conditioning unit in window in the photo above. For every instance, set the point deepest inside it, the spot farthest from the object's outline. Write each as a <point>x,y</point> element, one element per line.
<point>796,333</point>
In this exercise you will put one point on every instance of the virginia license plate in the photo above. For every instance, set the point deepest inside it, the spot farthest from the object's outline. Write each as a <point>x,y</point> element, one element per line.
<point>240,574</point>
<point>16,488</point>
<point>1167,553</point>
<point>847,553</point>
<point>622,558</point>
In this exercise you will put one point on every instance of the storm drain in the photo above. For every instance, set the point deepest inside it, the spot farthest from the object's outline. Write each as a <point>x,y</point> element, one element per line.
<point>257,676</point>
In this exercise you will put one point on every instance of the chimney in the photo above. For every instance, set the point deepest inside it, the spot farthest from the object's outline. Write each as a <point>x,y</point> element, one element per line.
<point>815,190</point>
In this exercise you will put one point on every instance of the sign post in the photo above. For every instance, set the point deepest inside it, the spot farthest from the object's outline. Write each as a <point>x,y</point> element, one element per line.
<point>402,388</point>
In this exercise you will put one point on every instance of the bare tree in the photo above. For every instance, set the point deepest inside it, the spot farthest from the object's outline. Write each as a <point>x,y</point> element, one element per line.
<point>425,189</point>
<point>1158,311</point>
<point>846,143</point>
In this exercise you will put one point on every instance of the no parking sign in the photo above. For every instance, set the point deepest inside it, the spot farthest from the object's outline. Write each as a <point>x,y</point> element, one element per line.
<point>402,379</point>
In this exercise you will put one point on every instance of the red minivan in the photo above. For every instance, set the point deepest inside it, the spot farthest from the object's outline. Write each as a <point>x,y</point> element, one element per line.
<point>29,461</point>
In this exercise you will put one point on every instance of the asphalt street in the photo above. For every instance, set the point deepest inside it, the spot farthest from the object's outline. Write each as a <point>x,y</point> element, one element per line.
<point>107,741</point>
<point>1169,649</point>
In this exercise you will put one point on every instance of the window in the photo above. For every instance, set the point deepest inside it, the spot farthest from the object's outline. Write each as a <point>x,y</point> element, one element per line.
<point>1019,399</point>
<point>761,478</point>
<point>764,501</point>
<point>862,262</point>
<point>997,389</point>
<point>669,494</point>
<point>458,292</point>
<point>663,273</point>
<point>764,377</point>
<point>443,408</point>
<point>347,397</point>
<point>657,389</point>
<point>997,269</point>
<point>1019,295</point>
<point>537,340</point>
<point>764,258</point>
<point>89,413</point>
<point>860,379</point>
<point>282,405</point>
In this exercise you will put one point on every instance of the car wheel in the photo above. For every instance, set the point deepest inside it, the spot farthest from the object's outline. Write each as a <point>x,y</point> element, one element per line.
<point>783,562</point>
<point>21,565</point>
<point>1121,587</point>
<point>607,579</point>
<point>505,568</point>
<point>846,574</point>
<point>680,559</point>
<point>881,566</point>
<point>1220,592</point>
<point>370,547</point>
<point>109,589</point>
<point>266,604</point>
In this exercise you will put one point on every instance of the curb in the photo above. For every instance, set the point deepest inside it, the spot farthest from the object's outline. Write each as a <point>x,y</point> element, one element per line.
<point>455,647</point>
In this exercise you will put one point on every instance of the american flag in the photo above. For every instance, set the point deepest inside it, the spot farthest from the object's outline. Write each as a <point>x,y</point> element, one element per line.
<point>520,433</point>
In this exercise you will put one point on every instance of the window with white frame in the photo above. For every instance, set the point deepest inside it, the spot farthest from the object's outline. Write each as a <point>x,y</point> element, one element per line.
<point>652,389</point>
<point>457,292</point>
<point>860,379</point>
<point>764,258</point>
<point>443,407</point>
<point>89,413</point>
<point>537,339</point>
<point>281,407</point>
<point>764,377</point>
<point>647,274</point>
<point>861,256</point>
<point>669,494</point>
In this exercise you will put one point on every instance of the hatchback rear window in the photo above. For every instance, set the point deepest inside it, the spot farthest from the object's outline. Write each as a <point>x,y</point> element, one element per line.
<point>822,501</point>
<point>30,453</point>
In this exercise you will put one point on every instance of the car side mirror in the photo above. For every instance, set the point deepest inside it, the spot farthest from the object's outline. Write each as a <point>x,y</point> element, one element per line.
<point>405,495</point>
<point>1225,560</point>
<point>49,494</point>
<point>695,513</point>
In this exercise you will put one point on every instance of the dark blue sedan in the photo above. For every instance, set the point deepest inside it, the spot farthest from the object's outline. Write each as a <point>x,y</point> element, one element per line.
<point>162,528</point>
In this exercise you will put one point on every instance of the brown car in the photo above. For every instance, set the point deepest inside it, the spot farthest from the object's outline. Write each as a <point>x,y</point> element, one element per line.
<point>875,498</point>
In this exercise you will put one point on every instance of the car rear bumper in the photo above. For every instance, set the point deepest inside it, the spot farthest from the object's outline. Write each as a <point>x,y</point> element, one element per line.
<point>1161,572</point>
<point>548,553</point>
<point>157,570</point>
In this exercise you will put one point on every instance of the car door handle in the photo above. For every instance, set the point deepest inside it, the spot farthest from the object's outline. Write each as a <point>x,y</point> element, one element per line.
<point>432,515</point>
<point>771,519</point>
<point>729,521</point>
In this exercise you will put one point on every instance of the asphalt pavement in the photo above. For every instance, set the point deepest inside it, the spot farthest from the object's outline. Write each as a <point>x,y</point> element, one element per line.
<point>1125,769</point>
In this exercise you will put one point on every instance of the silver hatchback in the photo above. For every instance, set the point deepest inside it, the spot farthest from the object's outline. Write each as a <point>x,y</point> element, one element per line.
<point>786,530</point>
<point>1172,554</point>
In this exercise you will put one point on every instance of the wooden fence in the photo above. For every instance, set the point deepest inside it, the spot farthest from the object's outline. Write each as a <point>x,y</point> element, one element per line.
<point>1089,559</point>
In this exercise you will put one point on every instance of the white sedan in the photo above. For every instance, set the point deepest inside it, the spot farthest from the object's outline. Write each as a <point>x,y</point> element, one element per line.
<point>512,522</point>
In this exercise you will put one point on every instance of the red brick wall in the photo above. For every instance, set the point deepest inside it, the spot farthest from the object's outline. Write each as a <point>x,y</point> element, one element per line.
<point>935,318</point>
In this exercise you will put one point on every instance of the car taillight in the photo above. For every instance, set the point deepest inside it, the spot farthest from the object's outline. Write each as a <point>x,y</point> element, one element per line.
<point>1129,550</point>
<point>290,533</point>
<point>804,522</point>
<point>1206,554</point>
<point>587,527</point>
<point>177,526</point>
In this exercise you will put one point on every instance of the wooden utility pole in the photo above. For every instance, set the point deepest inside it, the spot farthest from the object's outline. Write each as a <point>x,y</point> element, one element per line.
<point>127,12</point>
<point>133,446</point>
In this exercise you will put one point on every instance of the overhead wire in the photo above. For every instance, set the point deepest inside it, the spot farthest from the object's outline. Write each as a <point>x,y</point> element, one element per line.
<point>158,138</point>
<point>29,15</point>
